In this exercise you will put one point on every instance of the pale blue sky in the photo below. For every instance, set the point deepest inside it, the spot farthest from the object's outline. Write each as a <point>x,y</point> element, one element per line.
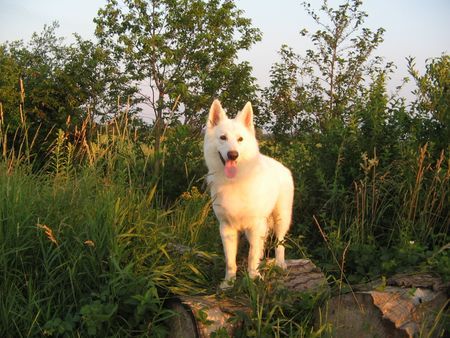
<point>413,27</point>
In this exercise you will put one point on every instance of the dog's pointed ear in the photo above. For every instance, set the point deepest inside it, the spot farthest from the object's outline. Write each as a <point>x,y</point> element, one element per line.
<point>246,116</point>
<point>216,114</point>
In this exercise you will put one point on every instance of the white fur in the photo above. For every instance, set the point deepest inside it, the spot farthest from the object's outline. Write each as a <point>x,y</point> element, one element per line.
<point>259,197</point>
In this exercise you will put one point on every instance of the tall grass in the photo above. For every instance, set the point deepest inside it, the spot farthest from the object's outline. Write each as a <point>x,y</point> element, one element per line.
<point>79,255</point>
<point>86,248</point>
<point>412,195</point>
<point>426,199</point>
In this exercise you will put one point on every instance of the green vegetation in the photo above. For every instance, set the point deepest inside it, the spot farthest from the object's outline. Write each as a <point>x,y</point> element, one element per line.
<point>95,204</point>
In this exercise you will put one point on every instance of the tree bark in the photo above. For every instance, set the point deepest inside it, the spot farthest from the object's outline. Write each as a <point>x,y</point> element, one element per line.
<point>405,306</point>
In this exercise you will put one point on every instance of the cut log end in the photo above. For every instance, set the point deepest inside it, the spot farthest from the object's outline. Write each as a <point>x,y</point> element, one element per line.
<point>200,316</point>
<point>183,323</point>
<point>390,311</point>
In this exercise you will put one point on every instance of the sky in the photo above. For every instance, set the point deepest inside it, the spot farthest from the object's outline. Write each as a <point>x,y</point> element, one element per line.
<point>416,28</point>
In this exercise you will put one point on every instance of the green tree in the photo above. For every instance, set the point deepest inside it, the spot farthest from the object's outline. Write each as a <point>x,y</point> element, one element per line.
<point>432,99</point>
<point>30,73</point>
<point>9,84</point>
<point>286,98</point>
<point>50,81</point>
<point>183,53</point>
<point>92,78</point>
<point>328,79</point>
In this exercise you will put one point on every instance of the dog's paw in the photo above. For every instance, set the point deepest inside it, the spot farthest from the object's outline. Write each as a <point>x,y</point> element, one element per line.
<point>254,274</point>
<point>227,283</point>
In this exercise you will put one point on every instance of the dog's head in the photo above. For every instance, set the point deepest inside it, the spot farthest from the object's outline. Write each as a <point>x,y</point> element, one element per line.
<point>230,144</point>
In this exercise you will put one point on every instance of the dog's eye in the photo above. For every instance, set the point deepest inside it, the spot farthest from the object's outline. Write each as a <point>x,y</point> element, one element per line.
<point>223,137</point>
<point>240,139</point>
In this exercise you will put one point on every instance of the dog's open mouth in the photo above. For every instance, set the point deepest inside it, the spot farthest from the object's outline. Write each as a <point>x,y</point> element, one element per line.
<point>230,166</point>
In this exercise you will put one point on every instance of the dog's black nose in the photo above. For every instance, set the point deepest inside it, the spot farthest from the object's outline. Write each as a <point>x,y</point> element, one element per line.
<point>232,155</point>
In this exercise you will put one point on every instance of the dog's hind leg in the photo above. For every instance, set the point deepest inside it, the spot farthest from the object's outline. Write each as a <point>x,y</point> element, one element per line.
<point>256,235</point>
<point>282,215</point>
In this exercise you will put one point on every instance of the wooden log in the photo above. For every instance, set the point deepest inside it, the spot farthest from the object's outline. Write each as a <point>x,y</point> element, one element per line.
<point>183,324</point>
<point>406,306</point>
<point>200,316</point>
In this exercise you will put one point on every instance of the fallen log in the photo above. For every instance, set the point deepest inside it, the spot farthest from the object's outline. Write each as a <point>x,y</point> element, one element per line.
<point>403,306</point>
<point>200,316</point>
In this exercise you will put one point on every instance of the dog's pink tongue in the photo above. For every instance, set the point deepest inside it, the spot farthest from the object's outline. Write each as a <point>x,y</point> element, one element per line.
<point>230,169</point>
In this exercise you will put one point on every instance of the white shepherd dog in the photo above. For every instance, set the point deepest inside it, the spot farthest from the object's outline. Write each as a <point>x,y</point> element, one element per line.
<point>251,192</point>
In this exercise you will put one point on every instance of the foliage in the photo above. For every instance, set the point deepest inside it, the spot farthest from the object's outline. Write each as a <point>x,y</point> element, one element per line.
<point>185,51</point>
<point>322,87</point>
<point>433,99</point>
<point>285,99</point>
<point>49,85</point>
<point>182,172</point>
<point>60,80</point>
<point>362,157</point>
<point>9,95</point>
<point>94,77</point>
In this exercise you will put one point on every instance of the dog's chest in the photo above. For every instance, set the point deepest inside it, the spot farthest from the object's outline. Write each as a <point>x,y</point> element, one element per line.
<point>244,202</point>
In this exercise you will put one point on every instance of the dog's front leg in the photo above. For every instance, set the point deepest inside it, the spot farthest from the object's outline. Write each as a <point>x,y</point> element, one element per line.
<point>256,236</point>
<point>229,241</point>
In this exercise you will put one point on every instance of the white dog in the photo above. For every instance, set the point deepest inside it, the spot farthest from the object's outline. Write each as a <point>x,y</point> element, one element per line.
<point>250,192</point>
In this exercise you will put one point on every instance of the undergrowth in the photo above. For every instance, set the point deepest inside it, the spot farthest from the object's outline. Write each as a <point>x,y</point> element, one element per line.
<point>92,246</point>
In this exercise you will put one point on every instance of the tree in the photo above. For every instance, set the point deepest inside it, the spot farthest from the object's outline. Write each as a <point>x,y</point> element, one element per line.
<point>9,84</point>
<point>183,53</point>
<point>328,78</point>
<point>31,73</point>
<point>51,81</point>
<point>432,99</point>
<point>92,77</point>
<point>286,98</point>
